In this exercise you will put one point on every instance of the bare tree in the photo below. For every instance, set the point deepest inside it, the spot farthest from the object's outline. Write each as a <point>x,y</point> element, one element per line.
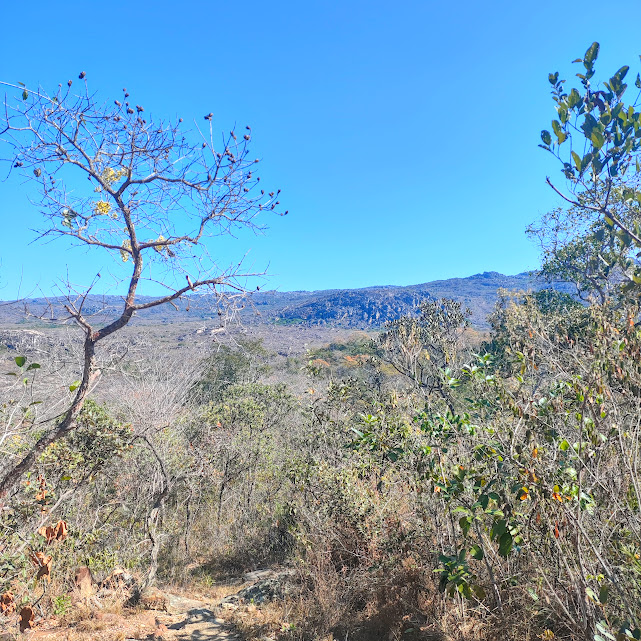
<point>112,178</point>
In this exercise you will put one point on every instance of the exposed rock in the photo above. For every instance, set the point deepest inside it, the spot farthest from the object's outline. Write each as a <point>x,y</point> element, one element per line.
<point>180,605</point>
<point>259,575</point>
<point>267,586</point>
<point>153,599</point>
<point>201,623</point>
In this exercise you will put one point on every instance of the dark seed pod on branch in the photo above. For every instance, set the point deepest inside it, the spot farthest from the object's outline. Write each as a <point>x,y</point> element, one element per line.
<point>82,75</point>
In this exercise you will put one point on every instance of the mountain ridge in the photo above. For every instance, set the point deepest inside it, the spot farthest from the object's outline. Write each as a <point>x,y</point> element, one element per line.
<point>357,308</point>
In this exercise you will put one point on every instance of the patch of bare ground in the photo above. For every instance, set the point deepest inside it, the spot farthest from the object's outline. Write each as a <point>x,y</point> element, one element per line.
<point>163,615</point>
<point>263,605</point>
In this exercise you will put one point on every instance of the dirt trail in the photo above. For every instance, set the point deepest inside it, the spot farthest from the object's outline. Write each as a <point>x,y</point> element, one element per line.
<point>200,624</point>
<point>191,620</point>
<point>183,620</point>
<point>167,617</point>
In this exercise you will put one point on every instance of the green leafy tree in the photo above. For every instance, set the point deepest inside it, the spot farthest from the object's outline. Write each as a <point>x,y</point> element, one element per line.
<point>422,348</point>
<point>585,251</point>
<point>227,366</point>
<point>596,135</point>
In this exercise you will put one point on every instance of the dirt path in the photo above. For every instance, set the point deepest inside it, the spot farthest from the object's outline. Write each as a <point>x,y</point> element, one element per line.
<point>190,620</point>
<point>200,624</point>
<point>181,619</point>
<point>165,615</point>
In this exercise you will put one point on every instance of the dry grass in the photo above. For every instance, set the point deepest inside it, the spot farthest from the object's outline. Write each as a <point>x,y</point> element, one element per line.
<point>86,623</point>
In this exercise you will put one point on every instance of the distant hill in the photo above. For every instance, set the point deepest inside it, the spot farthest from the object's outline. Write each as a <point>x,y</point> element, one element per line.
<point>372,306</point>
<point>357,308</point>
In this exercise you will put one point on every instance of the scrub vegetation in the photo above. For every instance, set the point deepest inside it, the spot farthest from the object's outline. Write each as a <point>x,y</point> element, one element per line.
<point>418,482</point>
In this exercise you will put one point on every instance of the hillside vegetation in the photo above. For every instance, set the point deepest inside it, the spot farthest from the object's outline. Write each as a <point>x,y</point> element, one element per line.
<point>424,481</point>
<point>417,485</point>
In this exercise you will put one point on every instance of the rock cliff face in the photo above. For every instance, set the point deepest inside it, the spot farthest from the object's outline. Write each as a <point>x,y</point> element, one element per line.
<point>368,307</point>
<point>373,306</point>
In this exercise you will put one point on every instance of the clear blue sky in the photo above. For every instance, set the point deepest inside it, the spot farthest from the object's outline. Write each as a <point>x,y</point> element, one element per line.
<point>403,134</point>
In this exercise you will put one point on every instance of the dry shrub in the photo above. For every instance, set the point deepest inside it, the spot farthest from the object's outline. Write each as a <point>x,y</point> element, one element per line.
<point>271,620</point>
<point>353,587</point>
<point>327,601</point>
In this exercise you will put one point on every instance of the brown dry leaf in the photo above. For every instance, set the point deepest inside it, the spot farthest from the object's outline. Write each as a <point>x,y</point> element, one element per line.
<point>61,531</point>
<point>7,603</point>
<point>41,495</point>
<point>47,532</point>
<point>43,563</point>
<point>57,532</point>
<point>45,571</point>
<point>26,618</point>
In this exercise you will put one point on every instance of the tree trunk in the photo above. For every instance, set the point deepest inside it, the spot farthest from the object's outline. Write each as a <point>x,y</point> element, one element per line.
<point>12,477</point>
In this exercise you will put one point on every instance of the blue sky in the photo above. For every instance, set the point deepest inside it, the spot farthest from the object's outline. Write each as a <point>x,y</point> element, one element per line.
<point>403,135</point>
